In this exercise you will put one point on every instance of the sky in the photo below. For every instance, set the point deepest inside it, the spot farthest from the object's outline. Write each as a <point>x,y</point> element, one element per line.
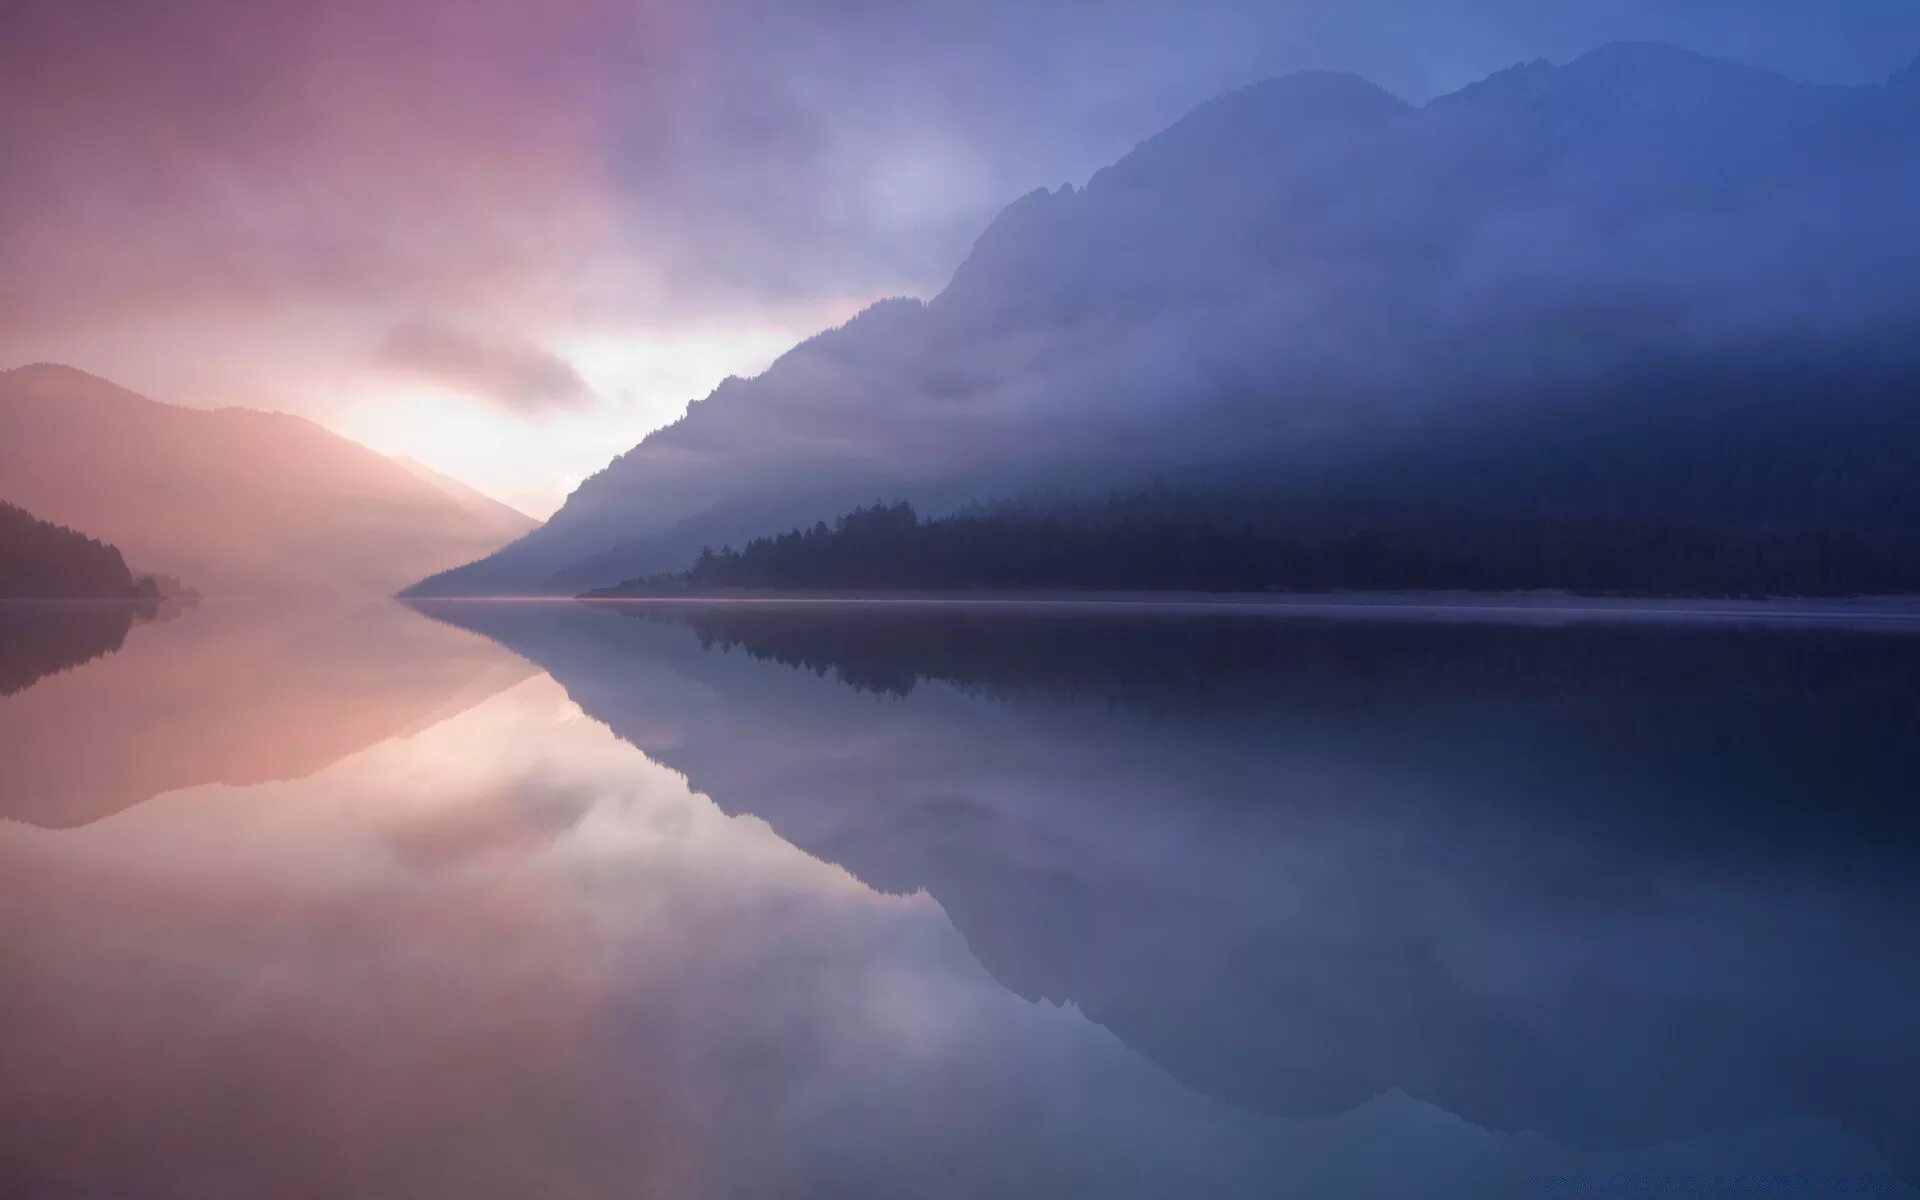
<point>509,237</point>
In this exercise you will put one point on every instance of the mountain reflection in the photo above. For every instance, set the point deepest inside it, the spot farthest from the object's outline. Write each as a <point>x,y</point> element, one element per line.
<point>104,719</point>
<point>41,639</point>
<point>1615,886</point>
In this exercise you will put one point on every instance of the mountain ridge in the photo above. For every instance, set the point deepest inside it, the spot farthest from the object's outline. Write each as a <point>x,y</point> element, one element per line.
<point>1307,277</point>
<point>233,500</point>
<point>45,561</point>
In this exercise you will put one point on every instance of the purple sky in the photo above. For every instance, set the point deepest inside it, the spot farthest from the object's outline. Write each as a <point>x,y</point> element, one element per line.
<point>508,237</point>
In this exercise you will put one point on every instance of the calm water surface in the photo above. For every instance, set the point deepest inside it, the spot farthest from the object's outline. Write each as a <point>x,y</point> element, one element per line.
<point>555,900</point>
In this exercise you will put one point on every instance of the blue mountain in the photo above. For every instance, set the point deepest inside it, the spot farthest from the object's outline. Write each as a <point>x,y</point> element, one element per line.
<point>1643,283</point>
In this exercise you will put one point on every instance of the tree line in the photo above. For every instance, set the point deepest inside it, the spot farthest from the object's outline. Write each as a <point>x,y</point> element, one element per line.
<point>41,560</point>
<point>1162,539</point>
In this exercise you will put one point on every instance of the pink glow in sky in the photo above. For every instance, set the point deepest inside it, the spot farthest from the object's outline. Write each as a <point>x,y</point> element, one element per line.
<point>509,237</point>
<point>401,219</point>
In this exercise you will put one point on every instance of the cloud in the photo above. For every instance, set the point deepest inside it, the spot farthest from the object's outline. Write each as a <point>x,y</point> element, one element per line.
<point>610,161</point>
<point>229,203</point>
<point>514,374</point>
<point>1310,274</point>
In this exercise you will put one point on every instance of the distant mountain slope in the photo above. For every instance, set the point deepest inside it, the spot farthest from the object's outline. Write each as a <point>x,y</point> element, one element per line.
<point>503,520</point>
<point>229,500</point>
<point>39,560</point>
<point>1645,282</point>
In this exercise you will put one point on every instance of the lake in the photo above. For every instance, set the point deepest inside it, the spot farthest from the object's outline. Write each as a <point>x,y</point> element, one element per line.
<point>564,900</point>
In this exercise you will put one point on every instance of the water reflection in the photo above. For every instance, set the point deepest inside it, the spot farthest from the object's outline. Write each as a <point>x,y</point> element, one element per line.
<point>1616,886</point>
<point>217,694</point>
<point>762,904</point>
<point>41,639</point>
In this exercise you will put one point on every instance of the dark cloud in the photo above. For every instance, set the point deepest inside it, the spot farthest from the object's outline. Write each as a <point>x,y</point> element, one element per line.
<point>512,373</point>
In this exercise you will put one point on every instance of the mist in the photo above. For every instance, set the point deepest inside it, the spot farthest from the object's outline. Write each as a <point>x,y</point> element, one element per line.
<point>1313,276</point>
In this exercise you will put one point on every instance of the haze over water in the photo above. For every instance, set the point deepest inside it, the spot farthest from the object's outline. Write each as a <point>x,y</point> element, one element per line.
<point>564,900</point>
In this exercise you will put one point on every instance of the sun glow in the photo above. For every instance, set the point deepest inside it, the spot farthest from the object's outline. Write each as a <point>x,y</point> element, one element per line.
<point>531,460</point>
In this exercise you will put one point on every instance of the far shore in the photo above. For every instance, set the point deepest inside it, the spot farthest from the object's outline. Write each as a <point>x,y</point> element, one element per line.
<point>1892,612</point>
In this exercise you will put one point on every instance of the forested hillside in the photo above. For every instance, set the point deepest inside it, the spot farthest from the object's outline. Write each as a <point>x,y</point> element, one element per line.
<point>1643,286</point>
<point>40,560</point>
<point>1166,540</point>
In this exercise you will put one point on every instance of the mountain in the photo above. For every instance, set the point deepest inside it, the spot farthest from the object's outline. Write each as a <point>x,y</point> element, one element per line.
<point>39,560</point>
<point>1642,283</point>
<point>229,500</point>
<point>504,521</point>
<point>1162,540</point>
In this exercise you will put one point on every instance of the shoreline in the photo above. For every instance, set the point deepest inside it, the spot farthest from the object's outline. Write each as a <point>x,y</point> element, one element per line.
<point>1887,612</point>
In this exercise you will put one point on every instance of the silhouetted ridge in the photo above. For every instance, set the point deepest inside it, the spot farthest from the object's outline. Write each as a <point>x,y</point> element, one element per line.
<point>41,560</point>
<point>1606,90</point>
<point>1643,252</point>
<point>1262,119</point>
<point>232,500</point>
<point>49,371</point>
<point>1658,65</point>
<point>1209,148</point>
<point>1213,541</point>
